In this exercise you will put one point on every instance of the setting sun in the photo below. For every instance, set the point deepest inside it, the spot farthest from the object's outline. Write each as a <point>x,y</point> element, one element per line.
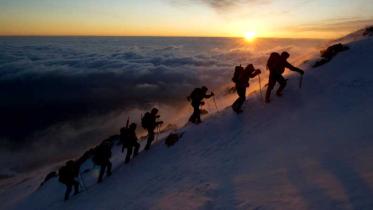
<point>250,36</point>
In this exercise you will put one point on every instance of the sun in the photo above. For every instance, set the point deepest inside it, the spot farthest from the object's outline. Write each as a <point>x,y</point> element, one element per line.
<point>250,36</point>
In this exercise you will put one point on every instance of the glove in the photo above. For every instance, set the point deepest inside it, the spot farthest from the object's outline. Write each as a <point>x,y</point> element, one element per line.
<point>212,93</point>
<point>258,71</point>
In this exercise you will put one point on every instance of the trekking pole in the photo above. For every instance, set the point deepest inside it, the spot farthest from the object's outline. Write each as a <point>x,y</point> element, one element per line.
<point>82,182</point>
<point>216,106</point>
<point>260,87</point>
<point>128,122</point>
<point>301,81</point>
<point>158,131</point>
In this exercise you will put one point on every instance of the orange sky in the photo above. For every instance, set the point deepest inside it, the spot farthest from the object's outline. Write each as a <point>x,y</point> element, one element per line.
<point>268,18</point>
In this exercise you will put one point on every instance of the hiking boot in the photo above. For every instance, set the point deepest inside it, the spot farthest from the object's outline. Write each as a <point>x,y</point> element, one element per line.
<point>279,94</point>
<point>267,101</point>
<point>238,111</point>
<point>192,120</point>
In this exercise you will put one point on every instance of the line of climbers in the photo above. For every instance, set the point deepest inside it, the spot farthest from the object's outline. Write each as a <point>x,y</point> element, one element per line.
<point>102,153</point>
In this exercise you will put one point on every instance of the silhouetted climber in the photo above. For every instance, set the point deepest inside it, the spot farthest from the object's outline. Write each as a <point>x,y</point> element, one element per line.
<point>149,122</point>
<point>276,65</point>
<point>123,136</point>
<point>129,140</point>
<point>102,158</point>
<point>241,79</point>
<point>67,175</point>
<point>197,97</point>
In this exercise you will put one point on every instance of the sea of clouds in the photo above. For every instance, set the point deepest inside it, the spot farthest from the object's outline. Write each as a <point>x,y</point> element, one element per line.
<point>68,93</point>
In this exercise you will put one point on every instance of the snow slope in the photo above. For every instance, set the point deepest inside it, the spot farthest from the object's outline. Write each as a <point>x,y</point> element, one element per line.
<point>310,149</point>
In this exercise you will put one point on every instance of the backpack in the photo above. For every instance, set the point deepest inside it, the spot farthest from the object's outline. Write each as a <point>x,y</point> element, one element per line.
<point>196,94</point>
<point>145,121</point>
<point>171,139</point>
<point>237,72</point>
<point>123,137</point>
<point>63,174</point>
<point>102,154</point>
<point>273,61</point>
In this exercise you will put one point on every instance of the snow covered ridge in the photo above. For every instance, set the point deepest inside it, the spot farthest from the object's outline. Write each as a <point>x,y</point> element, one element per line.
<point>310,149</point>
<point>356,36</point>
<point>340,45</point>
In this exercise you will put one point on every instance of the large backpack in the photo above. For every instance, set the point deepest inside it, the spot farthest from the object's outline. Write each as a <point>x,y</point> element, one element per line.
<point>63,174</point>
<point>273,61</point>
<point>196,94</point>
<point>123,137</point>
<point>237,72</point>
<point>146,120</point>
<point>102,153</point>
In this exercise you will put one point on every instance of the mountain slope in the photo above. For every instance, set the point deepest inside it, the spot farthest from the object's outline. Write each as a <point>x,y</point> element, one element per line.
<point>310,149</point>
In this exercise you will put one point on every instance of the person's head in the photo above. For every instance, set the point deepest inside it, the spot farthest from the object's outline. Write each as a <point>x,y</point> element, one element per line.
<point>285,55</point>
<point>154,111</point>
<point>133,126</point>
<point>70,163</point>
<point>107,143</point>
<point>204,89</point>
<point>250,68</point>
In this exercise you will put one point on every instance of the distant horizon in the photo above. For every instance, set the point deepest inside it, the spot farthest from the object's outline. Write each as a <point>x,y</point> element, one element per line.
<point>185,18</point>
<point>165,36</point>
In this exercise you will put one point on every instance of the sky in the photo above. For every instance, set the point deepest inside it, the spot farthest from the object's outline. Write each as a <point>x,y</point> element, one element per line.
<point>216,18</point>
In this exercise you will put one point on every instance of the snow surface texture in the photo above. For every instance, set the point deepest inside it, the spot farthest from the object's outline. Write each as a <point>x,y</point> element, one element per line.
<point>310,149</point>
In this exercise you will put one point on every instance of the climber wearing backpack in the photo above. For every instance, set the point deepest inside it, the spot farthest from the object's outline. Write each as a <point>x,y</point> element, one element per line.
<point>149,122</point>
<point>241,79</point>
<point>102,157</point>
<point>197,97</point>
<point>67,175</point>
<point>123,135</point>
<point>276,65</point>
<point>129,140</point>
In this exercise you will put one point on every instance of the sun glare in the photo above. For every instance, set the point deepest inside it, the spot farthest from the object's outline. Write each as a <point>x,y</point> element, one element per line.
<point>250,36</point>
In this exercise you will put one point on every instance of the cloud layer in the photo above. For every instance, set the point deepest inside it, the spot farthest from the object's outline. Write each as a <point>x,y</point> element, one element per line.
<point>60,91</point>
<point>225,4</point>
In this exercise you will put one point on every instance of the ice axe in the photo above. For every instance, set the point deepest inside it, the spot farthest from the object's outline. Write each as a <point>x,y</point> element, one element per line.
<point>158,132</point>
<point>260,87</point>
<point>216,106</point>
<point>82,182</point>
<point>301,81</point>
<point>128,122</point>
